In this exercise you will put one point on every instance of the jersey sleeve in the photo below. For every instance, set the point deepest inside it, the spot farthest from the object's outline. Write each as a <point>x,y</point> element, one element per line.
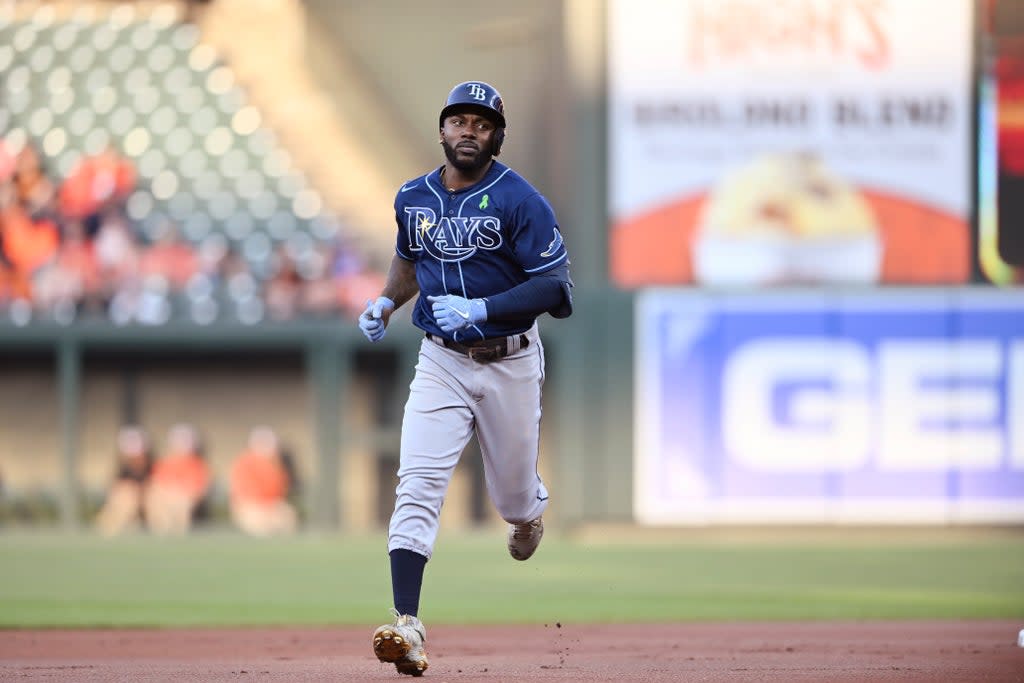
<point>402,246</point>
<point>536,239</point>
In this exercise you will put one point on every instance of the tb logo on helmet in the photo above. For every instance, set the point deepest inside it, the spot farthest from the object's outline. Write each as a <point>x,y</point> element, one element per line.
<point>477,91</point>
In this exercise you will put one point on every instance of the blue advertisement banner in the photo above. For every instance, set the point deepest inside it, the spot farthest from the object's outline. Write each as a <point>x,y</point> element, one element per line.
<point>826,406</point>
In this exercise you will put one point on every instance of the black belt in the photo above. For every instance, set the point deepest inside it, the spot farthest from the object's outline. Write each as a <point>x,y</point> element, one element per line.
<point>485,350</point>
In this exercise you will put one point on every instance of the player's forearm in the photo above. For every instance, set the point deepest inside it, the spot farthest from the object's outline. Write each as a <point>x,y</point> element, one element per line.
<point>401,284</point>
<point>537,295</point>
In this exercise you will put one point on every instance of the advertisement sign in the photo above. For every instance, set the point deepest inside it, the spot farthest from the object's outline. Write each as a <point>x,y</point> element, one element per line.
<point>821,406</point>
<point>758,142</point>
<point>1001,143</point>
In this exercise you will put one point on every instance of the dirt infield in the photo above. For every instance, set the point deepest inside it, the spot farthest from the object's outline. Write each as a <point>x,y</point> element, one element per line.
<point>971,651</point>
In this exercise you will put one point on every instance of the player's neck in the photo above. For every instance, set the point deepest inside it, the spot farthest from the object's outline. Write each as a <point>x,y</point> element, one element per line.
<point>454,180</point>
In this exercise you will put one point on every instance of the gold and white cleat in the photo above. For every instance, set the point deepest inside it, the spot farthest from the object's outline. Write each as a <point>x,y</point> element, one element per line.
<point>401,643</point>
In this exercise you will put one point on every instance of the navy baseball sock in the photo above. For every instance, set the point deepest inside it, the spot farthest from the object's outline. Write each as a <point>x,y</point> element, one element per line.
<point>406,580</point>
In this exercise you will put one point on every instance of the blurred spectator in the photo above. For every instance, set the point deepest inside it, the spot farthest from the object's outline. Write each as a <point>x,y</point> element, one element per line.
<point>123,511</point>
<point>35,191</point>
<point>29,235</point>
<point>319,295</point>
<point>231,264</point>
<point>27,244</point>
<point>117,252</point>
<point>284,287</point>
<point>96,183</point>
<point>353,277</point>
<point>170,257</point>
<point>260,485</point>
<point>355,288</point>
<point>212,257</point>
<point>72,278</point>
<point>180,483</point>
<point>242,288</point>
<point>13,283</point>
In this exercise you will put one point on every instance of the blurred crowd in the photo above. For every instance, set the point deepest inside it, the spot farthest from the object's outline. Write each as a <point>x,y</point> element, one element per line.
<point>68,249</point>
<point>167,495</point>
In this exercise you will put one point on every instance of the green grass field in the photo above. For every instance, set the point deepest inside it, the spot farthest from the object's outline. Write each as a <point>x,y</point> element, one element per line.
<point>221,578</point>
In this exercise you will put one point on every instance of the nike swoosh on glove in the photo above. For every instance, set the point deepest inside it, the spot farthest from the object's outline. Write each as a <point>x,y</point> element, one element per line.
<point>454,313</point>
<point>371,321</point>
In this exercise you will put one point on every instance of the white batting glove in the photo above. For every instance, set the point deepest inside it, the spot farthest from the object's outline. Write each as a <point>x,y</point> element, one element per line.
<point>455,312</point>
<point>374,320</point>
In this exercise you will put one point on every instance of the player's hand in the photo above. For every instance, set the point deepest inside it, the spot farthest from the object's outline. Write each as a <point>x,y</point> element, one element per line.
<point>374,320</point>
<point>454,312</point>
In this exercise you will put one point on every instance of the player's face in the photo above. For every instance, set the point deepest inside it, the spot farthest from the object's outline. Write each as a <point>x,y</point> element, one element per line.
<point>467,139</point>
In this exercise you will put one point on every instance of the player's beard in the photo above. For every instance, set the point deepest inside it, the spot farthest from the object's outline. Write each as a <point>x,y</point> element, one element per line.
<point>478,162</point>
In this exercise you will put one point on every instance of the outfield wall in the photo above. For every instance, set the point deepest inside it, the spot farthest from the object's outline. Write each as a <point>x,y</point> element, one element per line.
<point>902,406</point>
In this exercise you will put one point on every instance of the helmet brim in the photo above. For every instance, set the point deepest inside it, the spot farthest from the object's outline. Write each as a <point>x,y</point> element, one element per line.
<point>493,116</point>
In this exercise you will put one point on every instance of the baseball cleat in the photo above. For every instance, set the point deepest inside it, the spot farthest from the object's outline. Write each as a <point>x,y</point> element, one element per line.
<point>523,539</point>
<point>401,643</point>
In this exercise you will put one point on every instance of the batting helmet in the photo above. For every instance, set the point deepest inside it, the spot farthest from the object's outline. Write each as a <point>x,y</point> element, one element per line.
<point>482,96</point>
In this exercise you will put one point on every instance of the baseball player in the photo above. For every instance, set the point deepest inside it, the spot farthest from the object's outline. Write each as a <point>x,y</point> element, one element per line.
<point>482,249</point>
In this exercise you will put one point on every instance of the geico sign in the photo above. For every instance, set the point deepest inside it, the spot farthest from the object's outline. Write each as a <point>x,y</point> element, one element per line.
<point>818,404</point>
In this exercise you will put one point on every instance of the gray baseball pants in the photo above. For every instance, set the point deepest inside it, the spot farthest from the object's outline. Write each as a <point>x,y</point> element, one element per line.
<point>450,396</point>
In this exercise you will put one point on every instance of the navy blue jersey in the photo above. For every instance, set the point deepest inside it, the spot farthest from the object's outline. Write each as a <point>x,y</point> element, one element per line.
<point>482,240</point>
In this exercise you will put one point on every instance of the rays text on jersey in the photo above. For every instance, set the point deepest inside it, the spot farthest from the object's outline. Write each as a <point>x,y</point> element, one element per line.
<point>451,238</point>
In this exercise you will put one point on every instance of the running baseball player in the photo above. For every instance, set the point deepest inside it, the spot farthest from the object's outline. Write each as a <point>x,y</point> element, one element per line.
<point>482,249</point>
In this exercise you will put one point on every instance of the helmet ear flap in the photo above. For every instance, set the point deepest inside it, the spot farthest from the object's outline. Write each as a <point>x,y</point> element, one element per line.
<point>499,138</point>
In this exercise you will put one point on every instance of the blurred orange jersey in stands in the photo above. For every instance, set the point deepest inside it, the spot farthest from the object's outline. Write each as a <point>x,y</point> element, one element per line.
<point>186,472</point>
<point>258,478</point>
